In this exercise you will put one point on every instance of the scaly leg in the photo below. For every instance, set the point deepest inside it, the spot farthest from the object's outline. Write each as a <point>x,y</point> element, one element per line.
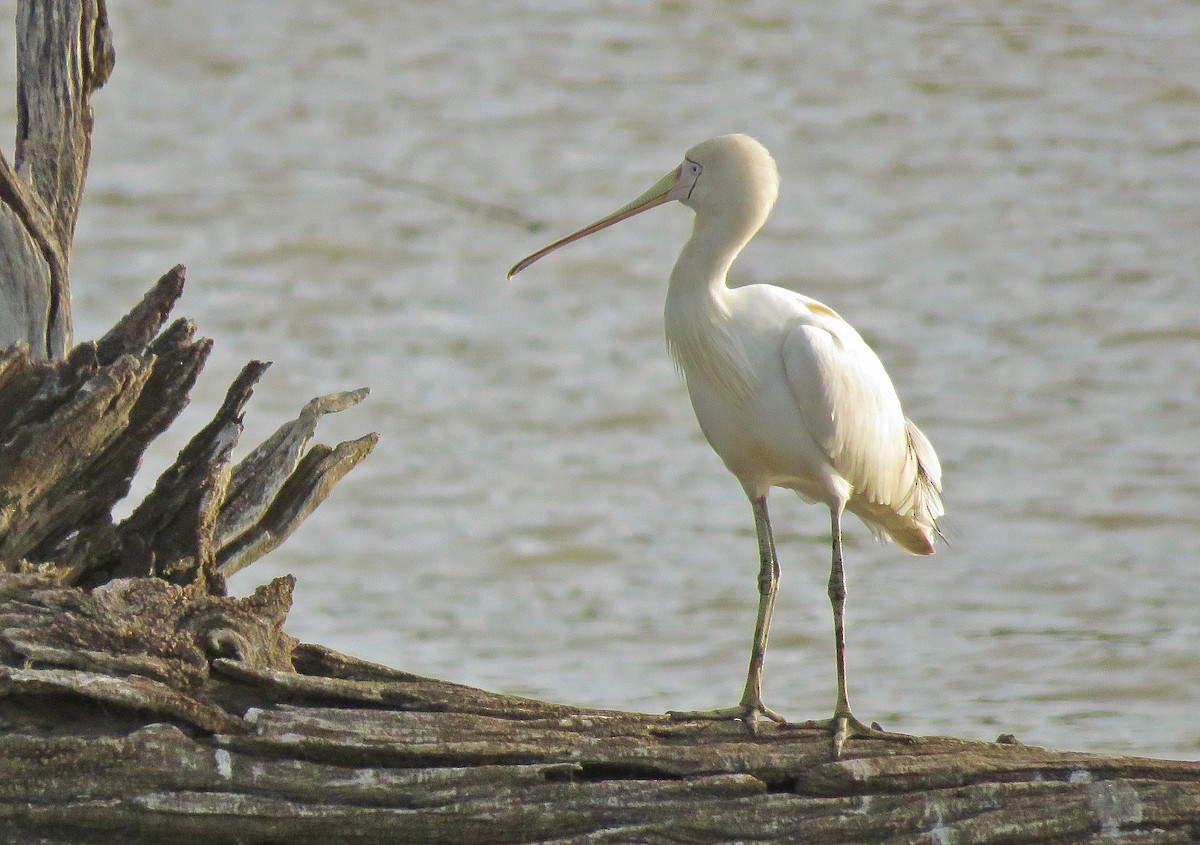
<point>751,706</point>
<point>843,725</point>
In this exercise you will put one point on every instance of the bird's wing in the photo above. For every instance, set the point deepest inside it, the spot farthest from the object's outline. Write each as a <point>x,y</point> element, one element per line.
<point>849,407</point>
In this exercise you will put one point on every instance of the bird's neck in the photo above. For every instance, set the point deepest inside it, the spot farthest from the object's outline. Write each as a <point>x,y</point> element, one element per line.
<point>705,259</point>
<point>697,313</point>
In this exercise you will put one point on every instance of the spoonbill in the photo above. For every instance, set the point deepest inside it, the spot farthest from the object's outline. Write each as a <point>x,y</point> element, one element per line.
<point>788,395</point>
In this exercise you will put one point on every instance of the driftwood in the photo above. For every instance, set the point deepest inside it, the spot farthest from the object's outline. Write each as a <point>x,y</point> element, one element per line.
<point>139,712</point>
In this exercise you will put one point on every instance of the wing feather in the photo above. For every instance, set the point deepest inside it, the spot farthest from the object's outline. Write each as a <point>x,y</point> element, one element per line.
<point>849,407</point>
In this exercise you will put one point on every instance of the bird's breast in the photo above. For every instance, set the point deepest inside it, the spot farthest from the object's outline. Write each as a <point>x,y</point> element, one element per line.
<point>729,351</point>
<point>707,349</point>
<point>761,441</point>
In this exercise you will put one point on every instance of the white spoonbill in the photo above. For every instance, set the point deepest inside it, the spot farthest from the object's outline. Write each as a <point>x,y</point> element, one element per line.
<point>787,393</point>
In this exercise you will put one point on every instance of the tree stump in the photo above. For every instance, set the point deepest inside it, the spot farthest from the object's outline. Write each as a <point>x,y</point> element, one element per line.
<point>72,434</point>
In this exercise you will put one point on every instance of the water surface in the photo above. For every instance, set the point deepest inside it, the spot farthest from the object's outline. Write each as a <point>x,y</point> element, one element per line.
<point>1004,203</point>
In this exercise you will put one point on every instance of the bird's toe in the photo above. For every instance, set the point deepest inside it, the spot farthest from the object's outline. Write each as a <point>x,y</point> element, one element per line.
<point>749,714</point>
<point>844,727</point>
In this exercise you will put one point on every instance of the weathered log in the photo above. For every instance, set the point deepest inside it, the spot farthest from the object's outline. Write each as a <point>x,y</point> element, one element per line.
<point>141,711</point>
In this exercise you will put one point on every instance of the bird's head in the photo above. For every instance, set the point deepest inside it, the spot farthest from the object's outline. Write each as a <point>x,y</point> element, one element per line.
<point>730,170</point>
<point>730,177</point>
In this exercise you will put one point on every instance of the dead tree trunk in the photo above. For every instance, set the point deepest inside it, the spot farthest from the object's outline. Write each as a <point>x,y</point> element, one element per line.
<point>64,53</point>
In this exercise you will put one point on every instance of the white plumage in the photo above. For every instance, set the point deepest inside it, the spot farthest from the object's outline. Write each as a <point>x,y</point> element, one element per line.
<point>786,391</point>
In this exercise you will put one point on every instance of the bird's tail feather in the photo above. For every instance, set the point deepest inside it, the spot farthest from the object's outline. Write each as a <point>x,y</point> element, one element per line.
<point>928,491</point>
<point>913,524</point>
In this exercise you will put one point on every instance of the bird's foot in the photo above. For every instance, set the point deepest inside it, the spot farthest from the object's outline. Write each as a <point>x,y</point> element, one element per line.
<point>748,714</point>
<point>844,726</point>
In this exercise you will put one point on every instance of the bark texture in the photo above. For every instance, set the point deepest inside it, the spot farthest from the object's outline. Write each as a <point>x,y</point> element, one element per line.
<point>72,435</point>
<point>64,54</point>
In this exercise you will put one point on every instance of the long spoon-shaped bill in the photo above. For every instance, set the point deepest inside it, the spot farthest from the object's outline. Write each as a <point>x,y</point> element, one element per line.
<point>675,185</point>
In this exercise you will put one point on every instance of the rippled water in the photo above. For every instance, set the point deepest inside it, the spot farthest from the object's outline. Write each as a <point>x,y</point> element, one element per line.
<point>1004,202</point>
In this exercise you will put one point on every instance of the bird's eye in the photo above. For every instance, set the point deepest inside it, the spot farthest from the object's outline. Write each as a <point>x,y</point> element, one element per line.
<point>691,168</point>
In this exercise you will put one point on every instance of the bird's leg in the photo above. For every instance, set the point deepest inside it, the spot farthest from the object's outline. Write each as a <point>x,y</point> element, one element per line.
<point>843,725</point>
<point>751,706</point>
<point>837,599</point>
<point>768,586</point>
